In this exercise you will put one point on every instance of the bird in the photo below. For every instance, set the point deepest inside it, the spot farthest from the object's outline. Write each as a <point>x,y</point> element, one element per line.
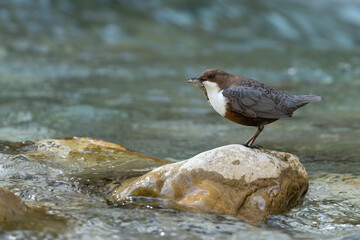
<point>246,101</point>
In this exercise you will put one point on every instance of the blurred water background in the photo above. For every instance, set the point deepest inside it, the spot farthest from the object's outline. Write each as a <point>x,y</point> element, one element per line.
<point>117,70</point>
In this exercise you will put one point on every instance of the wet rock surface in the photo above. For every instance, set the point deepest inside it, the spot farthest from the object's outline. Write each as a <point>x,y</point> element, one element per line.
<point>14,214</point>
<point>233,180</point>
<point>89,163</point>
<point>11,207</point>
<point>82,152</point>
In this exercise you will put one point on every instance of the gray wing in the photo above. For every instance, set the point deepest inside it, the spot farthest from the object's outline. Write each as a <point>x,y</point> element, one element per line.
<point>254,102</point>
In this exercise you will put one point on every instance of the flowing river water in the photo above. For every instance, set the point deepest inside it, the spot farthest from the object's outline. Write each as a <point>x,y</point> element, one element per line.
<point>117,70</point>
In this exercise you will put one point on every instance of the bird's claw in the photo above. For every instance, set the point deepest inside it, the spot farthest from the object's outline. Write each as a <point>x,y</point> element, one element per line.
<point>253,146</point>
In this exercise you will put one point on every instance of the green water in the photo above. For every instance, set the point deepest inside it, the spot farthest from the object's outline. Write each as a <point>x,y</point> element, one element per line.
<point>117,71</point>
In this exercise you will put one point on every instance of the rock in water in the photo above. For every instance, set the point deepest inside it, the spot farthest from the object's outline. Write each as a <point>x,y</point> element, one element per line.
<point>234,180</point>
<point>11,207</point>
<point>89,163</point>
<point>15,215</point>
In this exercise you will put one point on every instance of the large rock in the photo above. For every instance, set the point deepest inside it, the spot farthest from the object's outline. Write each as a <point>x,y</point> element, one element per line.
<point>233,180</point>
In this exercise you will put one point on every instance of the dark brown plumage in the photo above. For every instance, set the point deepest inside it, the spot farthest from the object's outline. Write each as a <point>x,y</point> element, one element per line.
<point>247,101</point>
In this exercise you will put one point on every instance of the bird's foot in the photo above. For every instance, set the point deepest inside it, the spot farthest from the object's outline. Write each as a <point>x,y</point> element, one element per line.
<point>253,146</point>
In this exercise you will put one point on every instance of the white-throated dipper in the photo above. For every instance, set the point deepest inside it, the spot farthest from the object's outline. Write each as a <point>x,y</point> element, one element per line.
<point>247,101</point>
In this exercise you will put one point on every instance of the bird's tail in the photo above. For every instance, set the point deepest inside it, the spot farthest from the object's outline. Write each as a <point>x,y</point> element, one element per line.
<point>310,98</point>
<point>302,100</point>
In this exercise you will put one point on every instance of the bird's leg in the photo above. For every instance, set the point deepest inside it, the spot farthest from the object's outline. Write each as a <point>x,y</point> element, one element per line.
<point>249,143</point>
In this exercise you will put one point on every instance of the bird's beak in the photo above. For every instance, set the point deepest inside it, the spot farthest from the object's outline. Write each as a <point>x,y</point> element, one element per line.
<point>196,81</point>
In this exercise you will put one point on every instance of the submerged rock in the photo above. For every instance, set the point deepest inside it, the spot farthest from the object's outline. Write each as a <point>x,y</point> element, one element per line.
<point>233,180</point>
<point>14,214</point>
<point>81,152</point>
<point>89,164</point>
<point>11,207</point>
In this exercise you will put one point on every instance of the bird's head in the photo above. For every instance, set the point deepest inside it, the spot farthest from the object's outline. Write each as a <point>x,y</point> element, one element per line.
<point>210,77</point>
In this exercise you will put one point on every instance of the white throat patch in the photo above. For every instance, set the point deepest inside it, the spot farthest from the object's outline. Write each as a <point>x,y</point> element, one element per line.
<point>216,98</point>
